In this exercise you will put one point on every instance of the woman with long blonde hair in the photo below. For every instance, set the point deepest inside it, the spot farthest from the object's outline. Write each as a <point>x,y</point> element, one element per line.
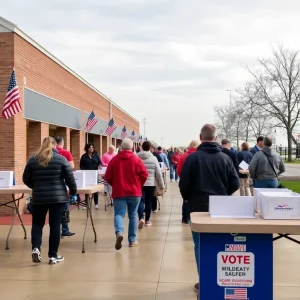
<point>47,173</point>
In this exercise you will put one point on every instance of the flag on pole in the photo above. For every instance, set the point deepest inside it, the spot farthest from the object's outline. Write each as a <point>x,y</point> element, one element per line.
<point>140,139</point>
<point>111,127</point>
<point>12,100</point>
<point>91,122</point>
<point>123,133</point>
<point>132,135</point>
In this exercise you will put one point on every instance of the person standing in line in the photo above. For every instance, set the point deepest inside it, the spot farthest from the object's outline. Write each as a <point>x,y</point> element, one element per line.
<point>206,172</point>
<point>47,173</point>
<point>175,160</point>
<point>258,146</point>
<point>90,160</point>
<point>163,156</point>
<point>160,160</point>
<point>170,155</point>
<point>126,174</point>
<point>154,179</point>
<point>65,232</point>
<point>246,156</point>
<point>191,149</point>
<point>226,145</point>
<point>266,165</point>
<point>106,158</point>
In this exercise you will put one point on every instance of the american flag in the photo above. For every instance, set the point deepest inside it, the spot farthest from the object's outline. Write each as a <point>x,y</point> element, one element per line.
<point>111,127</point>
<point>123,133</point>
<point>12,100</point>
<point>91,122</point>
<point>237,294</point>
<point>132,135</point>
<point>140,139</point>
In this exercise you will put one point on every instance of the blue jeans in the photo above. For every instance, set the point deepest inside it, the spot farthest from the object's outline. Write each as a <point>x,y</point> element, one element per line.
<point>141,208</point>
<point>65,226</point>
<point>266,183</point>
<point>120,205</point>
<point>196,239</point>
<point>172,171</point>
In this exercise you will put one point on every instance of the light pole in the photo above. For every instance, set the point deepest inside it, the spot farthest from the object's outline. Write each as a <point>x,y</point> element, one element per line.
<point>145,122</point>
<point>229,114</point>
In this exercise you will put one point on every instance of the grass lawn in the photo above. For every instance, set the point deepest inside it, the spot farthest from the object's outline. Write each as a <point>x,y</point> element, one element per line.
<point>292,162</point>
<point>292,185</point>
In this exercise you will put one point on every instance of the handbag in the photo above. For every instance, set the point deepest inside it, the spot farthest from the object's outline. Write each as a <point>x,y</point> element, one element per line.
<point>158,191</point>
<point>280,186</point>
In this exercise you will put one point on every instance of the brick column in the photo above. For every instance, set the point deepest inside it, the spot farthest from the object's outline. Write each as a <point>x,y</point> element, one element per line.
<point>65,134</point>
<point>119,142</point>
<point>98,144</point>
<point>77,144</point>
<point>37,132</point>
<point>104,144</point>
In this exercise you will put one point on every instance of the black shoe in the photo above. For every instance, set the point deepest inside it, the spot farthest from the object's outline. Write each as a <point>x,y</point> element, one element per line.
<point>55,260</point>
<point>196,287</point>
<point>185,222</point>
<point>67,235</point>
<point>104,194</point>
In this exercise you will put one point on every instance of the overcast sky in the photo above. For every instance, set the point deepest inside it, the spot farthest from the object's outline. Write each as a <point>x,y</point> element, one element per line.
<point>170,61</point>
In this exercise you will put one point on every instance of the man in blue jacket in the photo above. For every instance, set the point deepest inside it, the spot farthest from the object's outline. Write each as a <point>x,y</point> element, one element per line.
<point>258,146</point>
<point>206,172</point>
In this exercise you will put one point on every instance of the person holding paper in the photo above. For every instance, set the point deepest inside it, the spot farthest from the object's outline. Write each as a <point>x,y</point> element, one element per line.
<point>206,172</point>
<point>163,157</point>
<point>90,160</point>
<point>226,145</point>
<point>47,173</point>
<point>244,157</point>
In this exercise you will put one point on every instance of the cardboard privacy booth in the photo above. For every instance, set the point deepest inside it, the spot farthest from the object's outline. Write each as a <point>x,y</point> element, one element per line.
<point>231,207</point>
<point>257,196</point>
<point>6,179</point>
<point>280,206</point>
<point>91,176</point>
<point>80,179</point>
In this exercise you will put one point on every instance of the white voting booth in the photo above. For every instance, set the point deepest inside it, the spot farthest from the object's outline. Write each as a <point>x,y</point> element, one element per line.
<point>6,179</point>
<point>86,178</point>
<point>231,207</point>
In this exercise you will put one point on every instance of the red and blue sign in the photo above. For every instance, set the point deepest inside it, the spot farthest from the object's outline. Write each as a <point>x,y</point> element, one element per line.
<point>236,266</point>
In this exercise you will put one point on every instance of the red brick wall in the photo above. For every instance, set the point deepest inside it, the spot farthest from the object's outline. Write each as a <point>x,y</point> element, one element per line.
<point>122,119</point>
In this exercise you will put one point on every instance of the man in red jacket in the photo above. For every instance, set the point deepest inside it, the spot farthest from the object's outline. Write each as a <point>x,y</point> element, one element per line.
<point>175,160</point>
<point>126,174</point>
<point>191,149</point>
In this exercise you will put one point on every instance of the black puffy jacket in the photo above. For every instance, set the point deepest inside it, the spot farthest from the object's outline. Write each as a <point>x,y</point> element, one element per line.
<point>207,172</point>
<point>48,184</point>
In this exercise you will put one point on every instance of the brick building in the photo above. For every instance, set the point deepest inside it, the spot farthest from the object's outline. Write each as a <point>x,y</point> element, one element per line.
<point>55,101</point>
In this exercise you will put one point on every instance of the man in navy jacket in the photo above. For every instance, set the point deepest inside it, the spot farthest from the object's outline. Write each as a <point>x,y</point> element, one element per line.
<point>206,172</point>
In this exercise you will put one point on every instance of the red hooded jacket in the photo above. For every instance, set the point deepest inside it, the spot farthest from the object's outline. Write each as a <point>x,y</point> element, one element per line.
<point>126,174</point>
<point>183,158</point>
<point>175,159</point>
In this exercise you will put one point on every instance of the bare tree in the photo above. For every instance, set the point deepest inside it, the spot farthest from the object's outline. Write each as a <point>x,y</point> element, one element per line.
<point>276,89</point>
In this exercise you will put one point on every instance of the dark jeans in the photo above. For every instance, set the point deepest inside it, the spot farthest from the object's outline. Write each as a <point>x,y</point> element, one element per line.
<point>65,226</point>
<point>141,208</point>
<point>148,195</point>
<point>185,212</point>
<point>176,175</point>
<point>39,213</point>
<point>154,203</point>
<point>95,198</point>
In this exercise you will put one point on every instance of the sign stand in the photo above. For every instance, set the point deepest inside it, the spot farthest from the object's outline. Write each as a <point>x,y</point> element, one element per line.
<point>236,266</point>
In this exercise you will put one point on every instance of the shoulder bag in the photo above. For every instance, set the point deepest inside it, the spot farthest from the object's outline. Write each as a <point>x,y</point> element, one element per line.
<point>280,186</point>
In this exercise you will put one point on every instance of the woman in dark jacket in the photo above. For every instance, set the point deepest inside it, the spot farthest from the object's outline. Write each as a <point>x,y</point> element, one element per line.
<point>244,155</point>
<point>90,160</point>
<point>47,173</point>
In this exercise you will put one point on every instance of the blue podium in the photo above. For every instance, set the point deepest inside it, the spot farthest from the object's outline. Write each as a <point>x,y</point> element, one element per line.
<point>238,265</point>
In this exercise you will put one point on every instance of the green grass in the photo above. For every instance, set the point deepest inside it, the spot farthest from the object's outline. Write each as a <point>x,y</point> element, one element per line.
<point>292,162</point>
<point>292,185</point>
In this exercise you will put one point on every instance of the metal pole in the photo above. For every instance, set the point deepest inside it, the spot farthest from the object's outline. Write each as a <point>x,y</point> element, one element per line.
<point>145,122</point>
<point>230,121</point>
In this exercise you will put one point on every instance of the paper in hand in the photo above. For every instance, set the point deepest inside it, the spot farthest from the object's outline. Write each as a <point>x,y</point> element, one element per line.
<point>244,166</point>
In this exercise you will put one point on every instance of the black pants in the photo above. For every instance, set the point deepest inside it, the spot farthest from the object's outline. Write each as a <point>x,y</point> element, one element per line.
<point>95,198</point>
<point>185,212</point>
<point>38,221</point>
<point>154,203</point>
<point>148,195</point>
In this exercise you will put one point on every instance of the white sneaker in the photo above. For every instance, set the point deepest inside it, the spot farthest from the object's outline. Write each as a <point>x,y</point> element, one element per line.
<point>97,206</point>
<point>83,207</point>
<point>55,260</point>
<point>36,256</point>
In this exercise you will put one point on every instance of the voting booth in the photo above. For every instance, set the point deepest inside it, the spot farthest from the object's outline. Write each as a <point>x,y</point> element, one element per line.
<point>86,177</point>
<point>6,179</point>
<point>236,245</point>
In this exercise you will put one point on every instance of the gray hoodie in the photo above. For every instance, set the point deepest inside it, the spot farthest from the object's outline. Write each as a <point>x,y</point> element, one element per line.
<point>260,167</point>
<point>152,166</point>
